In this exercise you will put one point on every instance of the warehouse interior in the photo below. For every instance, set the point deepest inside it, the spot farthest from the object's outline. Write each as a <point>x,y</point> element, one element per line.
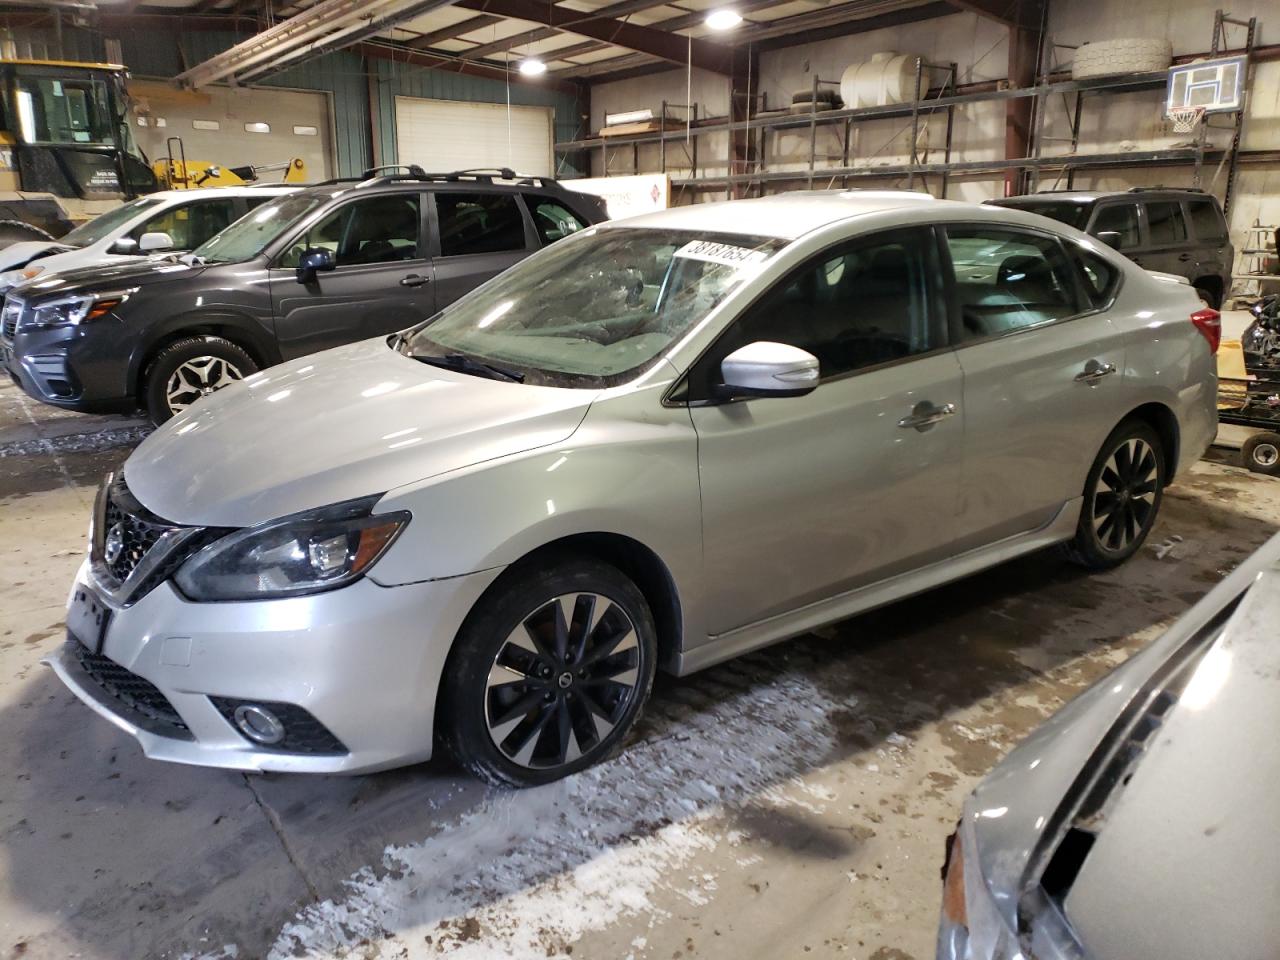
<point>806,798</point>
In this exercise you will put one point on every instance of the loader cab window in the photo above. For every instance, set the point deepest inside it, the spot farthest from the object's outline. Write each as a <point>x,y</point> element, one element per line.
<point>53,110</point>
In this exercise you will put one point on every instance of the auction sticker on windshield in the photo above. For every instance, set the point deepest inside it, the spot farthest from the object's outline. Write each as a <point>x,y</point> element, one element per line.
<point>724,253</point>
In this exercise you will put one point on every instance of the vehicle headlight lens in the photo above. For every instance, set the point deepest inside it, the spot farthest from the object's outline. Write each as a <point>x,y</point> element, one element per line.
<point>305,553</point>
<point>81,308</point>
<point>11,278</point>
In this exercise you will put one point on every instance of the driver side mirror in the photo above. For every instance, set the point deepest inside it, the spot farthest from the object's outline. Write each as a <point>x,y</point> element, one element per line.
<point>313,261</point>
<point>1111,238</point>
<point>768,369</point>
<point>154,242</point>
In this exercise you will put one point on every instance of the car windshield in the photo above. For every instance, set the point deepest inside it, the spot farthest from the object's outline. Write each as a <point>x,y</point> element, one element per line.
<point>596,308</point>
<point>250,235</point>
<point>103,226</point>
<point>1071,212</point>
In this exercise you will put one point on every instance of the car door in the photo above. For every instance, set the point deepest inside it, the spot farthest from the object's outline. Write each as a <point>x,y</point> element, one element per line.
<point>1042,366</point>
<point>477,236</point>
<point>804,498</point>
<point>381,281</point>
<point>1213,251</point>
<point>1168,247</point>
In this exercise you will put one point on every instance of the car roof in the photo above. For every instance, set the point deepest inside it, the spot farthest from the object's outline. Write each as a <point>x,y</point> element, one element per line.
<point>266,190</point>
<point>788,216</point>
<point>1089,196</point>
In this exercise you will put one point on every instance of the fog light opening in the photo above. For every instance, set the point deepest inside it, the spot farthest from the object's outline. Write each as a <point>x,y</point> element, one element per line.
<point>258,724</point>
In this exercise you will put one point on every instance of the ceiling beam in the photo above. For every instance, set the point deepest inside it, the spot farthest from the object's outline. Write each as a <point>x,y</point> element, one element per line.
<point>715,57</point>
<point>470,25</point>
<point>398,53</point>
<point>612,11</point>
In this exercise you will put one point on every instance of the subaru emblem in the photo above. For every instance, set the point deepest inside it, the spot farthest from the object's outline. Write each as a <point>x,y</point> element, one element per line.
<point>114,544</point>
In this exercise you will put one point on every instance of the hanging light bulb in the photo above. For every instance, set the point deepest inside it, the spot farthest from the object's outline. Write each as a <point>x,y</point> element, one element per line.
<point>532,67</point>
<point>723,19</point>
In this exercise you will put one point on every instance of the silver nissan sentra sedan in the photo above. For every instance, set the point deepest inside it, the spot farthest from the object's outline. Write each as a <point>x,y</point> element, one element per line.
<point>661,442</point>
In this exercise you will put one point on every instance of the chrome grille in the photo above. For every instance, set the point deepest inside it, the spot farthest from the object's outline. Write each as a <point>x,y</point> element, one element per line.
<point>9,315</point>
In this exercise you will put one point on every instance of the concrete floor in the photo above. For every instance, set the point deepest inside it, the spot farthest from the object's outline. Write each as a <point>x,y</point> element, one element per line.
<point>792,803</point>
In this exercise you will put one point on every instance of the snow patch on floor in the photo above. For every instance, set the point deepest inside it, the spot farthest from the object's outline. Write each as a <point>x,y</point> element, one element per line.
<point>526,874</point>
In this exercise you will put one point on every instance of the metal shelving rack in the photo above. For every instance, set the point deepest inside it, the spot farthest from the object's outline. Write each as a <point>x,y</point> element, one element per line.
<point>945,97</point>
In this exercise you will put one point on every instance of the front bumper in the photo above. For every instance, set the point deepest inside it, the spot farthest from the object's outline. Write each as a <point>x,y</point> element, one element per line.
<point>79,368</point>
<point>365,661</point>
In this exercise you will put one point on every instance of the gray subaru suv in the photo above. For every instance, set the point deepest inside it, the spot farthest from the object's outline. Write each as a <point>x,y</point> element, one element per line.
<point>1182,231</point>
<point>341,261</point>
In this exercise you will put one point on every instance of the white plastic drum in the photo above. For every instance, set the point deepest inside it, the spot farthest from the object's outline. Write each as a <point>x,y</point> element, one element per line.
<point>884,79</point>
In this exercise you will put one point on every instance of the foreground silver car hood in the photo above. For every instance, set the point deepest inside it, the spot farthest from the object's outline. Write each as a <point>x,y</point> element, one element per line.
<point>1175,800</point>
<point>353,421</point>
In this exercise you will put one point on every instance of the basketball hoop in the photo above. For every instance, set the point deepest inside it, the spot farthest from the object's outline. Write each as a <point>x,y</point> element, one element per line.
<point>1185,119</point>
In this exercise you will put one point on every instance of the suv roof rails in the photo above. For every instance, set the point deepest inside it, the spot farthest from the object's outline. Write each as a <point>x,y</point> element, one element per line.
<point>1165,189</point>
<point>399,172</point>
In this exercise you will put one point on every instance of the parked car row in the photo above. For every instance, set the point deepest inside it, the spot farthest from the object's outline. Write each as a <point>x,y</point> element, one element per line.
<point>308,270</point>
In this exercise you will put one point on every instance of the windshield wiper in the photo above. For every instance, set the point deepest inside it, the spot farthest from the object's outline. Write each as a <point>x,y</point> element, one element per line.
<point>465,364</point>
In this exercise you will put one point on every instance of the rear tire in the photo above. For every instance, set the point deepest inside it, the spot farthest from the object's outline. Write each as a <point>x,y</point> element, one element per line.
<point>549,673</point>
<point>1121,497</point>
<point>1262,453</point>
<point>188,369</point>
<point>16,231</point>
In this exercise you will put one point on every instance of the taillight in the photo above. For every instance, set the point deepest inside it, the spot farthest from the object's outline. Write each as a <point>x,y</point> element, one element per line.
<point>1209,322</point>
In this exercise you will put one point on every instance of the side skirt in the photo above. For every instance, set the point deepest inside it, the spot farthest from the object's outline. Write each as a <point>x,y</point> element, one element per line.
<point>786,625</point>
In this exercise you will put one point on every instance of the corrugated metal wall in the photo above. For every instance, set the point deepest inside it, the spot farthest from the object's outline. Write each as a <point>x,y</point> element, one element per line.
<point>342,74</point>
<point>339,74</point>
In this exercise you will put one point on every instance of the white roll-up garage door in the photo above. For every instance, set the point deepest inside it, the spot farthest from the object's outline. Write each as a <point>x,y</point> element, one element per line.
<point>444,135</point>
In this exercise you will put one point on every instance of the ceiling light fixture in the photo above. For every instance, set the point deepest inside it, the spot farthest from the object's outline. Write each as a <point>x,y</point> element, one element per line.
<point>723,19</point>
<point>532,67</point>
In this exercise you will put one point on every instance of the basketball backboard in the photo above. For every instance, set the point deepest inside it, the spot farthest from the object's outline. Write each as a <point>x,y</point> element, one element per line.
<point>1215,85</point>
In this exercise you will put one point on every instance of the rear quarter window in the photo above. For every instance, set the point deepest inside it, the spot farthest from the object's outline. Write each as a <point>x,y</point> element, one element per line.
<point>1206,221</point>
<point>1098,277</point>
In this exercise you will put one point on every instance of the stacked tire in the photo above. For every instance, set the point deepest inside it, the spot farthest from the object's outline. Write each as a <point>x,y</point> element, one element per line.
<point>1115,58</point>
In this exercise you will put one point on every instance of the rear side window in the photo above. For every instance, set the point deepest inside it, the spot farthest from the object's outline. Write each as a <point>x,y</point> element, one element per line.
<point>1121,218</point>
<point>479,223</point>
<point>1206,221</point>
<point>1007,280</point>
<point>1098,276</point>
<point>1165,224</point>
<point>551,219</point>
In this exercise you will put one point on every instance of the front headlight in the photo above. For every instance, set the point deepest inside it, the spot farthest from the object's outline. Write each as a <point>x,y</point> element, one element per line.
<point>305,553</point>
<point>80,308</point>
<point>11,278</point>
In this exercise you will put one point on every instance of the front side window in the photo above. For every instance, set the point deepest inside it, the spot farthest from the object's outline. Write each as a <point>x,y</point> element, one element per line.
<point>1121,218</point>
<point>381,229</point>
<point>861,304</point>
<point>1165,224</point>
<point>191,224</point>
<point>1071,212</point>
<point>1007,280</point>
<point>52,110</point>
<point>249,236</point>
<point>1207,221</point>
<point>551,219</point>
<point>479,223</point>
<point>598,308</point>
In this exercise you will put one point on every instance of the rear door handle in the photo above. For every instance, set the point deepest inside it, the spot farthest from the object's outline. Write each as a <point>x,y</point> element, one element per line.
<point>1094,371</point>
<point>1184,257</point>
<point>924,415</point>
<point>414,280</point>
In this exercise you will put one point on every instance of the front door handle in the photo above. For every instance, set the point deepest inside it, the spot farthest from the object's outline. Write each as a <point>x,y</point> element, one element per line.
<point>1184,257</point>
<point>414,280</point>
<point>924,415</point>
<point>1094,371</point>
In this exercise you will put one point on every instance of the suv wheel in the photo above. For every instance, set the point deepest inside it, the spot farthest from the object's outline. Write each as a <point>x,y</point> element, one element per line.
<point>1121,497</point>
<point>549,674</point>
<point>189,369</point>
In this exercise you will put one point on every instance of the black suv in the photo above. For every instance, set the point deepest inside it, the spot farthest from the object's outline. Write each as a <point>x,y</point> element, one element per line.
<point>340,261</point>
<point>1173,231</point>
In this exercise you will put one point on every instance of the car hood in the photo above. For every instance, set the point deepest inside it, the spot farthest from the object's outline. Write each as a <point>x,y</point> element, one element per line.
<point>1025,790</point>
<point>19,254</point>
<point>1188,844</point>
<point>133,272</point>
<point>347,423</point>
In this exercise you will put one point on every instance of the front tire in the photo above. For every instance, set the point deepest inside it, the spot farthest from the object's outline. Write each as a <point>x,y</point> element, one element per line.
<point>1121,497</point>
<point>549,674</point>
<point>189,369</point>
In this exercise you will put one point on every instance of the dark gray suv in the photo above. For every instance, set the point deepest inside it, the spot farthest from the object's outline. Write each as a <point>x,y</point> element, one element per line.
<point>1173,231</point>
<point>340,261</point>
